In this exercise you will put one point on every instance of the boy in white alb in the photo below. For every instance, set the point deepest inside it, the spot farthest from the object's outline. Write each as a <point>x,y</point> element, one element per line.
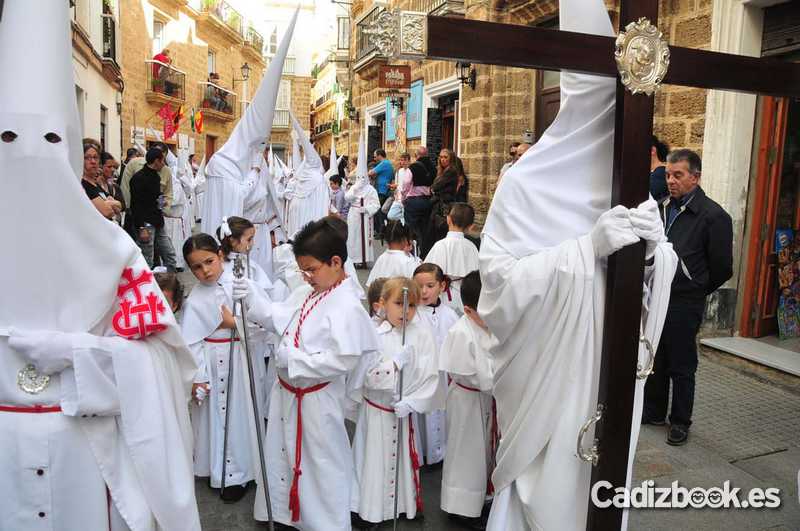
<point>397,260</point>
<point>455,254</point>
<point>311,463</point>
<point>471,428</point>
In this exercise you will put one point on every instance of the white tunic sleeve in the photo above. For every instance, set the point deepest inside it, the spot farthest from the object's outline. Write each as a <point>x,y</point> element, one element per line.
<point>371,202</point>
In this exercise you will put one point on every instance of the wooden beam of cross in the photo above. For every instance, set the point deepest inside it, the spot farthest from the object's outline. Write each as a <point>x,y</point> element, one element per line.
<point>427,37</point>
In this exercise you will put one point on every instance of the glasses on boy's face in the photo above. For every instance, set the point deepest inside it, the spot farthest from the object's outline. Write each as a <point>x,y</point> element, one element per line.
<point>311,271</point>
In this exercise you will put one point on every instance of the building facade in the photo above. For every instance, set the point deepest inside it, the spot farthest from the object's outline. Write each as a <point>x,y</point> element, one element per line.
<point>98,76</point>
<point>742,137</point>
<point>208,42</point>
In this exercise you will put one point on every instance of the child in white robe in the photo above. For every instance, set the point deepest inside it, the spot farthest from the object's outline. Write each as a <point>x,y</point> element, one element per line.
<point>237,236</point>
<point>172,289</point>
<point>380,414</point>
<point>471,431</point>
<point>397,260</point>
<point>374,300</point>
<point>317,361</point>
<point>207,328</point>
<point>440,317</point>
<point>455,254</point>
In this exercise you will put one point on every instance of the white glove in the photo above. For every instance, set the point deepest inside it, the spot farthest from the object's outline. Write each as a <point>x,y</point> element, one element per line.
<point>403,356</point>
<point>647,224</point>
<point>612,232</point>
<point>402,409</point>
<point>241,288</point>
<point>50,351</point>
<point>200,392</point>
<point>282,356</point>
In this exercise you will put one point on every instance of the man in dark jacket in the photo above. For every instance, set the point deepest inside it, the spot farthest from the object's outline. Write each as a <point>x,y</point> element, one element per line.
<point>146,209</point>
<point>701,233</point>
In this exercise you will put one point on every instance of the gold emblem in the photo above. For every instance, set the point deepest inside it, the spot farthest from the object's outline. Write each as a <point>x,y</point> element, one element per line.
<point>399,34</point>
<point>642,56</point>
<point>30,381</point>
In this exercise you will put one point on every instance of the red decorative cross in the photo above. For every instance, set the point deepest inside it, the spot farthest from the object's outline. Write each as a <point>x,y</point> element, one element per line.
<point>132,283</point>
<point>140,318</point>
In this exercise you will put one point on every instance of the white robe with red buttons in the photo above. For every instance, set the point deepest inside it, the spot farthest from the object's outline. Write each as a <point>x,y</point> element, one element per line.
<point>375,441</point>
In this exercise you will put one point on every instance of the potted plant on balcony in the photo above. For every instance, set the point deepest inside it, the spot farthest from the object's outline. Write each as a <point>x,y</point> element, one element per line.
<point>235,21</point>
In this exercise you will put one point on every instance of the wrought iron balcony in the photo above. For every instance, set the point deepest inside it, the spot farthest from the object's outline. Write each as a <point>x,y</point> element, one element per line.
<point>281,119</point>
<point>164,82</point>
<point>323,128</point>
<point>225,16</point>
<point>439,8</point>
<point>109,37</point>
<point>217,102</point>
<point>366,51</point>
<point>254,40</point>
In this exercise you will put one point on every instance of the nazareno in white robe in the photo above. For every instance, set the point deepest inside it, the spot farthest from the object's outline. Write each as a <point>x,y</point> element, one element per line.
<point>375,440</point>
<point>393,264</point>
<point>258,209</point>
<point>543,298</point>
<point>364,203</point>
<point>467,465</point>
<point>457,256</point>
<point>211,348</point>
<point>175,215</point>
<point>441,319</point>
<point>328,352</point>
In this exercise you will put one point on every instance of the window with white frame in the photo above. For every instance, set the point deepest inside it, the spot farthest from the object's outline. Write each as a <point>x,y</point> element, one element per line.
<point>343,39</point>
<point>284,101</point>
<point>212,62</point>
<point>158,36</point>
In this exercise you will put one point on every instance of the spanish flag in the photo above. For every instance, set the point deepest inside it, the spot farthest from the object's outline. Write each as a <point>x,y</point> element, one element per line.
<point>198,121</point>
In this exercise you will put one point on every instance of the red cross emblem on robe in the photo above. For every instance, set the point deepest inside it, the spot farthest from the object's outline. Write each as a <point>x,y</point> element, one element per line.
<point>140,306</point>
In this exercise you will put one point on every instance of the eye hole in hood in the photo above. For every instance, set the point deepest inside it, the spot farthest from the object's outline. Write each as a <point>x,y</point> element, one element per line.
<point>52,138</point>
<point>8,136</point>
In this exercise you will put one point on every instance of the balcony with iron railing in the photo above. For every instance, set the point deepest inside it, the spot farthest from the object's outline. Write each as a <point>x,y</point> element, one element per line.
<point>439,8</point>
<point>254,42</point>
<point>223,17</point>
<point>217,102</point>
<point>165,83</point>
<point>109,37</point>
<point>323,129</point>
<point>367,52</point>
<point>281,119</point>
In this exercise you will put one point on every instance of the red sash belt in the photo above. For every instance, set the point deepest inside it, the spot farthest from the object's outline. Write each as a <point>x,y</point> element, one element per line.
<point>219,340</point>
<point>31,409</point>
<point>412,450</point>
<point>495,438</point>
<point>299,392</point>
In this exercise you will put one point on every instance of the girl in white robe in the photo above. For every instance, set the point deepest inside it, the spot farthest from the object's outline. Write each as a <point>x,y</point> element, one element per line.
<point>441,318</point>
<point>375,441</point>
<point>363,200</point>
<point>237,235</point>
<point>207,324</point>
<point>397,260</point>
<point>470,421</point>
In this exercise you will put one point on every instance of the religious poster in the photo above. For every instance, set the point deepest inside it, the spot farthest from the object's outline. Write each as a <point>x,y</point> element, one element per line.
<point>400,132</point>
<point>787,246</point>
<point>414,111</point>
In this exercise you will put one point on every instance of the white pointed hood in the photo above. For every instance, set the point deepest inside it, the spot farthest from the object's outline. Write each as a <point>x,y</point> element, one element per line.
<point>255,125</point>
<point>334,163</point>
<point>311,158</point>
<point>362,172</point>
<point>61,270</point>
<point>562,184</point>
<point>309,174</point>
<point>296,160</point>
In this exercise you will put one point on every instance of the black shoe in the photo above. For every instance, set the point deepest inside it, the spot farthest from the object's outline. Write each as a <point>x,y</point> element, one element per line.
<point>468,523</point>
<point>653,422</point>
<point>233,493</point>
<point>678,435</point>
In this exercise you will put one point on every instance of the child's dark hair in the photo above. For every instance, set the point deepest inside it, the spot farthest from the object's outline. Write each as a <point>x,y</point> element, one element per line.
<point>396,232</point>
<point>374,294</point>
<point>338,224</point>
<point>169,282</point>
<point>319,239</point>
<point>471,289</point>
<point>199,242</point>
<point>335,179</point>
<point>433,269</point>
<point>238,227</point>
<point>462,215</point>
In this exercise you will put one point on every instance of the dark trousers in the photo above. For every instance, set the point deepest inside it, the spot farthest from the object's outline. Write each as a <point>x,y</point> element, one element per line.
<point>416,213</point>
<point>380,218</point>
<point>676,361</point>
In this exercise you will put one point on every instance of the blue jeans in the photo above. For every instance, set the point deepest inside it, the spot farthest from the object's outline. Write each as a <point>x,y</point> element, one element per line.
<point>157,239</point>
<point>416,213</point>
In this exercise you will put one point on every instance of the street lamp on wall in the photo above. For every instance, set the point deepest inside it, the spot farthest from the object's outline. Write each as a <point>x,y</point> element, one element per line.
<point>467,74</point>
<point>119,102</point>
<point>245,71</point>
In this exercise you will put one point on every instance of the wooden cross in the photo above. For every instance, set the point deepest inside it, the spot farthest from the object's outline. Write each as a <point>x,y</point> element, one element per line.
<point>475,41</point>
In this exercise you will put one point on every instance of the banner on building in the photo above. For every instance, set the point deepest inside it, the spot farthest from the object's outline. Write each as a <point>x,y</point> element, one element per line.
<point>394,77</point>
<point>414,111</point>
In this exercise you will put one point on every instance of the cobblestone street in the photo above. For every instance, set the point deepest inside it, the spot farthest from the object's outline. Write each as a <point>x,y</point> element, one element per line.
<point>746,429</point>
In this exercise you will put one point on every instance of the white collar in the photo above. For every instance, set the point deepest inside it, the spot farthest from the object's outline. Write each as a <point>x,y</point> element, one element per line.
<point>455,235</point>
